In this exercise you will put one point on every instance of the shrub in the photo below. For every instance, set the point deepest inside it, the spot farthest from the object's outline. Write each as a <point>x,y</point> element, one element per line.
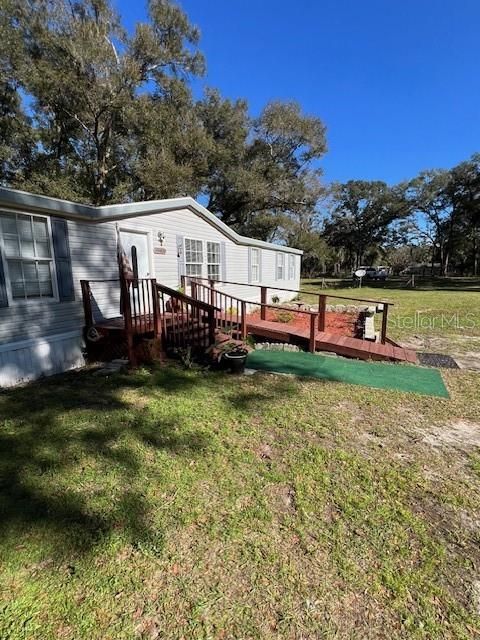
<point>283,316</point>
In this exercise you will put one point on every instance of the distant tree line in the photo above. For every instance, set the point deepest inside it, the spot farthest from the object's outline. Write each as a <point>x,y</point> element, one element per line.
<point>433,219</point>
<point>92,112</point>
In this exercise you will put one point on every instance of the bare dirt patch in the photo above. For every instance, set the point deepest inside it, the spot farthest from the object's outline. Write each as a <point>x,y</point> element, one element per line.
<point>460,434</point>
<point>265,452</point>
<point>356,413</point>
<point>282,497</point>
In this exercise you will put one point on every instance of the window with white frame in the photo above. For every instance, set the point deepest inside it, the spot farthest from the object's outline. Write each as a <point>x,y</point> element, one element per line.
<point>27,249</point>
<point>213,260</point>
<point>193,257</point>
<point>291,267</point>
<point>254,265</point>
<point>280,265</point>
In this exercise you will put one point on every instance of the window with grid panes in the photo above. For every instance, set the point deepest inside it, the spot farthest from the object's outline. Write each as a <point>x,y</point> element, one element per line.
<point>193,257</point>
<point>213,260</point>
<point>27,249</point>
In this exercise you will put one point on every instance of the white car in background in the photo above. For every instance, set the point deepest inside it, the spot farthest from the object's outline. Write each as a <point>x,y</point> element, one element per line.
<point>374,273</point>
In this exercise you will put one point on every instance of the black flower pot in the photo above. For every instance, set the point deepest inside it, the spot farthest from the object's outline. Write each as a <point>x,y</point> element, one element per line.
<point>236,360</point>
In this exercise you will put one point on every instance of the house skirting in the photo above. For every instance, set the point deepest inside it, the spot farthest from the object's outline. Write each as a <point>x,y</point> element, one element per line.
<point>28,360</point>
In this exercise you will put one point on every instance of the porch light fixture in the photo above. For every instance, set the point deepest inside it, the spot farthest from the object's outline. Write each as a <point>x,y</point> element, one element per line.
<point>161,238</point>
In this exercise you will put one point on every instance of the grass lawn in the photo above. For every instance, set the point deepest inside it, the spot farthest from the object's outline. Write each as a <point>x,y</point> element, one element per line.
<point>439,314</point>
<point>188,504</point>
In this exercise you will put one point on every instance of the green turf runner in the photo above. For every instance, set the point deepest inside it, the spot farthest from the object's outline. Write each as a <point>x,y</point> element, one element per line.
<point>369,374</point>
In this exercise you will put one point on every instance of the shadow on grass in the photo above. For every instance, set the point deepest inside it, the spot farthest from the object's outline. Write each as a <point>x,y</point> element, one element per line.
<point>75,450</point>
<point>56,435</point>
<point>250,400</point>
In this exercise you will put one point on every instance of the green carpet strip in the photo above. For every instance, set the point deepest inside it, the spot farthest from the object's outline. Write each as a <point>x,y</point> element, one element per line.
<point>368,374</point>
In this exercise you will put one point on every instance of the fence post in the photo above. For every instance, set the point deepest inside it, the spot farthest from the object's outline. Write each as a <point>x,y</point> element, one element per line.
<point>383,335</point>
<point>244,320</point>
<point>263,300</point>
<point>322,307</point>
<point>313,322</point>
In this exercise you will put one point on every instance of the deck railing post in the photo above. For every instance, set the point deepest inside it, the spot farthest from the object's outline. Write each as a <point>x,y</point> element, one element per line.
<point>156,308</point>
<point>383,334</point>
<point>212,292</point>
<point>244,320</point>
<point>263,300</point>
<point>322,308</point>
<point>211,326</point>
<point>183,283</point>
<point>127,316</point>
<point>313,326</point>
<point>87,303</point>
<point>194,295</point>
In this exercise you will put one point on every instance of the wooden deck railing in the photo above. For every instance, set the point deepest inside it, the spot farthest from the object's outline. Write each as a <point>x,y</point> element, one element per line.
<point>233,311</point>
<point>322,300</point>
<point>186,322</point>
<point>140,304</point>
<point>151,309</point>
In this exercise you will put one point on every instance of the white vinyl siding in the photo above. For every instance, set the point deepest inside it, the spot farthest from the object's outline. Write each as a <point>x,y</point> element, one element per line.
<point>94,256</point>
<point>254,265</point>
<point>193,257</point>
<point>280,266</point>
<point>213,260</point>
<point>27,248</point>
<point>291,267</point>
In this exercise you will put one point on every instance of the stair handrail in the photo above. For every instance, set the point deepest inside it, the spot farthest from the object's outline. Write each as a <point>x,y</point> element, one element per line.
<point>173,293</point>
<point>385,305</point>
<point>260,286</point>
<point>259,304</point>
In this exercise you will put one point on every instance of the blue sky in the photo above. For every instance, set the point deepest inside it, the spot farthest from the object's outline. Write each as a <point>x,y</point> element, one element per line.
<point>396,82</point>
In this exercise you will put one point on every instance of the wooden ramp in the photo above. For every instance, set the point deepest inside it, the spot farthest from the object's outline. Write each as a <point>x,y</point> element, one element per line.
<point>342,345</point>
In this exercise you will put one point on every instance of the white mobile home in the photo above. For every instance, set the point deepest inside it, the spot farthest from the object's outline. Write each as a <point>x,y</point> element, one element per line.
<point>47,246</point>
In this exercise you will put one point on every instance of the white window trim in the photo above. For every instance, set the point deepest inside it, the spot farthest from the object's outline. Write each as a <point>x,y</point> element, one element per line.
<point>14,302</point>
<point>202,264</point>
<point>280,254</point>
<point>214,264</point>
<point>254,251</point>
<point>291,267</point>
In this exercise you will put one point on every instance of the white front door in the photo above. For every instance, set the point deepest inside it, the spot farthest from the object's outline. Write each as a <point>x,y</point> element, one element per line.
<point>135,245</point>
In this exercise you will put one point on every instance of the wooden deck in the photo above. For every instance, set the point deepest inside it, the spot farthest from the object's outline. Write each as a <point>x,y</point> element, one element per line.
<point>144,324</point>
<point>154,311</point>
<point>324,341</point>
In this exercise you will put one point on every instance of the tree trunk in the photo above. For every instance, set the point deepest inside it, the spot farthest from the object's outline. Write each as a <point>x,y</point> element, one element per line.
<point>475,253</point>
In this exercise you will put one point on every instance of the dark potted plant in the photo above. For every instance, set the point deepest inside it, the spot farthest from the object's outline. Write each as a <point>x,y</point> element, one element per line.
<point>236,358</point>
